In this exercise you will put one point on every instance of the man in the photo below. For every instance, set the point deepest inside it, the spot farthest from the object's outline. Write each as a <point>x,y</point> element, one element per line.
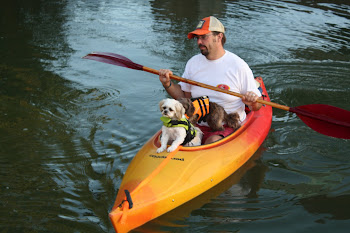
<point>218,67</point>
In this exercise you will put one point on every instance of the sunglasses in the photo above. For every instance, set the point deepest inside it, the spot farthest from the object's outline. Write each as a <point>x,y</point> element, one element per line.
<point>202,37</point>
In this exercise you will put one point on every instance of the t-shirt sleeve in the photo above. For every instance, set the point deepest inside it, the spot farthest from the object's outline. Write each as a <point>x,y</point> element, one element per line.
<point>249,83</point>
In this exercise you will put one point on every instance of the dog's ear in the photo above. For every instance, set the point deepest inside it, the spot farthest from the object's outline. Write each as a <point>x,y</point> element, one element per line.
<point>180,110</point>
<point>161,104</point>
<point>190,109</point>
<point>187,104</point>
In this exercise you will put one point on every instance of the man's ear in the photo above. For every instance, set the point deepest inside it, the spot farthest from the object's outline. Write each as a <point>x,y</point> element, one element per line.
<point>220,35</point>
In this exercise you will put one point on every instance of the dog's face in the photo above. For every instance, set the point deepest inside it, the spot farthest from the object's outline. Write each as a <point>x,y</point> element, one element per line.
<point>187,104</point>
<point>171,108</point>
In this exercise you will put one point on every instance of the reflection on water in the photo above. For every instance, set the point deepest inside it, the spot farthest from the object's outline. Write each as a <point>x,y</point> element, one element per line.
<point>69,127</point>
<point>322,204</point>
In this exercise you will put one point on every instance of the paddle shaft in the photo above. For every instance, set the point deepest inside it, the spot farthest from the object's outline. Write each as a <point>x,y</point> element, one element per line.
<point>177,78</point>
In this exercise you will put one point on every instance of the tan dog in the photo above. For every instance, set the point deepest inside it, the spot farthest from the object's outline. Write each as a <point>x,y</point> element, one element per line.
<point>176,129</point>
<point>215,118</point>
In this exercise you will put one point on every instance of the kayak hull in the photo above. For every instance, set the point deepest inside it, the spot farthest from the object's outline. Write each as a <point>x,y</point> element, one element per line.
<point>158,183</point>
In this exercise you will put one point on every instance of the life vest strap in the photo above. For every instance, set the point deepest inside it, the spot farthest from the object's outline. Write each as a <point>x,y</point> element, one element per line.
<point>190,130</point>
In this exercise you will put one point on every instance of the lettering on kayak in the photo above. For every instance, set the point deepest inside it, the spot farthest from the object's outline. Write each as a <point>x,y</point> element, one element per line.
<point>163,157</point>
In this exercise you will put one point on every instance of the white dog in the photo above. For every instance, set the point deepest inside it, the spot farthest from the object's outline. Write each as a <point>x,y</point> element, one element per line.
<point>176,128</point>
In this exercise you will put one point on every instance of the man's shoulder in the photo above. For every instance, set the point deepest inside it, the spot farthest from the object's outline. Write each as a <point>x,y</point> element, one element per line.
<point>196,57</point>
<point>235,59</point>
<point>196,60</point>
<point>233,56</point>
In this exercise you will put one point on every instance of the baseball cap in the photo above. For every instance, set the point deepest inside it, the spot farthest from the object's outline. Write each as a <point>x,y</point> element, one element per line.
<point>206,25</point>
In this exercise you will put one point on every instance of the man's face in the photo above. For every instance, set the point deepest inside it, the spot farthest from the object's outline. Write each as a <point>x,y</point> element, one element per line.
<point>206,43</point>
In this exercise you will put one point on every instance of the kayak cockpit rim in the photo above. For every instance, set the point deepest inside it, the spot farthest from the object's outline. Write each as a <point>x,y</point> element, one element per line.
<point>249,119</point>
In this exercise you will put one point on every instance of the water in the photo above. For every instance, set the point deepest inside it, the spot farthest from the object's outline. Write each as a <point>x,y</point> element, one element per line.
<point>69,127</point>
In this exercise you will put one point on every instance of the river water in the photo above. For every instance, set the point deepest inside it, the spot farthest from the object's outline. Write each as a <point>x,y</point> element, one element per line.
<point>69,127</point>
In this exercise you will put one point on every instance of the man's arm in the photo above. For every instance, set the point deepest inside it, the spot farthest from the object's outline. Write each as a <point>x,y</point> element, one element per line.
<point>173,89</point>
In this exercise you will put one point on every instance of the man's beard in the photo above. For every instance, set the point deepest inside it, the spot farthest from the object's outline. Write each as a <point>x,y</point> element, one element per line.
<point>204,50</point>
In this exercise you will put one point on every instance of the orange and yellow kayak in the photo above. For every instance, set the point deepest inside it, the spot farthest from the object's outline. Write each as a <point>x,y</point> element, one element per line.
<point>156,183</point>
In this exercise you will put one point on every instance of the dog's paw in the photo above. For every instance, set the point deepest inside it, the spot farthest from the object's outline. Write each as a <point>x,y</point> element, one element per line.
<point>171,149</point>
<point>160,149</point>
<point>221,128</point>
<point>217,128</point>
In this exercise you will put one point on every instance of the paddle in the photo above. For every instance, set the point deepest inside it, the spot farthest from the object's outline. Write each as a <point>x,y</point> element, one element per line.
<point>325,119</point>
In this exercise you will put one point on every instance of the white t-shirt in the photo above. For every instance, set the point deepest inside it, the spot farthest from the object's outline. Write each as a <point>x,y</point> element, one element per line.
<point>229,71</point>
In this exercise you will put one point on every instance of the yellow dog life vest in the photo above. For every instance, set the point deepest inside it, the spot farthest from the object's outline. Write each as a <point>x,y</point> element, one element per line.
<point>201,106</point>
<point>191,132</point>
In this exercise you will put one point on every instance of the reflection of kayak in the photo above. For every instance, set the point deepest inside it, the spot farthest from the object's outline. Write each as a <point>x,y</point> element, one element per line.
<point>155,183</point>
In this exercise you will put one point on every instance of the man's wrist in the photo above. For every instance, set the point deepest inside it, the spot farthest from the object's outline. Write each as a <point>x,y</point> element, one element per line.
<point>168,86</point>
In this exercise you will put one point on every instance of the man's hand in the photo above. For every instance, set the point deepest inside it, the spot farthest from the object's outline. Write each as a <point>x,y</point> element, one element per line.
<point>164,77</point>
<point>250,99</point>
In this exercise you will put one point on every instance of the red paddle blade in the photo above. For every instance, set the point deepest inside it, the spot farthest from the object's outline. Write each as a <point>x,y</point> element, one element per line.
<point>114,59</point>
<point>325,119</point>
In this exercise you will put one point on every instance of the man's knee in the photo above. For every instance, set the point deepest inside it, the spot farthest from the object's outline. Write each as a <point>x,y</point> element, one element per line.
<point>213,138</point>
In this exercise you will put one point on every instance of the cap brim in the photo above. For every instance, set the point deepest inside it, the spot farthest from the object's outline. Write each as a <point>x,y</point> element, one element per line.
<point>197,32</point>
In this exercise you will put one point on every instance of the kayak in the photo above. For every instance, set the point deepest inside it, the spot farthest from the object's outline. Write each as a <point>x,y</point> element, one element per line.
<point>156,183</point>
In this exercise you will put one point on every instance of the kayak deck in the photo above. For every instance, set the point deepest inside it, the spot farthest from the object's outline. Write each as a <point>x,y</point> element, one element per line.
<point>157,183</point>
